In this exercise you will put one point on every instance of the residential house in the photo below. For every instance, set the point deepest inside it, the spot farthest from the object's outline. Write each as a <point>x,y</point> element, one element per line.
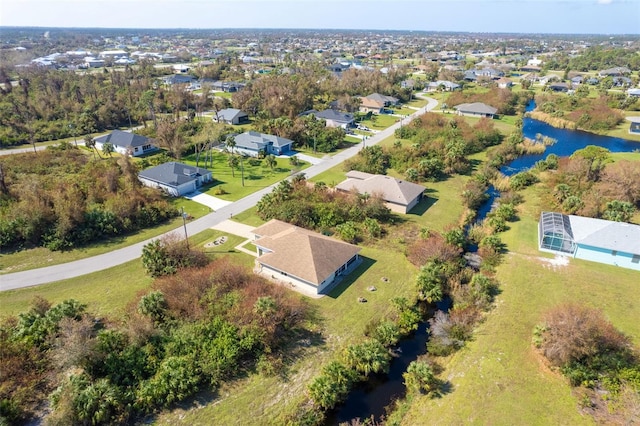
<point>408,84</point>
<point>558,87</point>
<point>253,143</point>
<point>504,83</point>
<point>126,143</point>
<point>441,85</point>
<point>335,118</point>
<point>615,72</point>
<point>226,86</point>
<point>634,127</point>
<point>476,109</point>
<point>175,178</point>
<point>170,80</point>
<point>596,240</point>
<point>622,82</point>
<point>399,195</point>
<point>231,116</point>
<point>377,103</point>
<point>633,92</point>
<point>308,261</point>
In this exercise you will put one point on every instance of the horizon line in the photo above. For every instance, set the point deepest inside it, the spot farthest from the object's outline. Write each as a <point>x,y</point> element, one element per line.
<point>314,29</point>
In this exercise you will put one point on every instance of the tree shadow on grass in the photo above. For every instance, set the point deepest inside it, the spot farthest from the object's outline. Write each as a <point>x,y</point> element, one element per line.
<point>338,289</point>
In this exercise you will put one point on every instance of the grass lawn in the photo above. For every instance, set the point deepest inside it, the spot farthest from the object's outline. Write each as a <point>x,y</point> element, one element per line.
<point>498,378</point>
<point>403,111</point>
<point>379,121</point>
<point>256,176</point>
<point>40,257</point>
<point>108,292</point>
<point>416,102</point>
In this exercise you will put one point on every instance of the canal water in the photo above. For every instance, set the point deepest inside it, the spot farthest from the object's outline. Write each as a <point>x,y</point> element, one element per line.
<point>370,398</point>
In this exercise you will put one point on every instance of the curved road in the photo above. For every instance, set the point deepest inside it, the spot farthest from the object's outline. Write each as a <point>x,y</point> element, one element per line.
<point>117,257</point>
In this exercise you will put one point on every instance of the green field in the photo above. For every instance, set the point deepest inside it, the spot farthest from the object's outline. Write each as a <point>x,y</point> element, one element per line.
<point>498,378</point>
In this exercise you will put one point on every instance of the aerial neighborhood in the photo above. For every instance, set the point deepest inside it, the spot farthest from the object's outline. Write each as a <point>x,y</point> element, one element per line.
<point>201,226</point>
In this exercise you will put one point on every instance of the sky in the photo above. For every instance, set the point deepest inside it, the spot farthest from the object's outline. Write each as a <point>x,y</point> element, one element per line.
<point>490,16</point>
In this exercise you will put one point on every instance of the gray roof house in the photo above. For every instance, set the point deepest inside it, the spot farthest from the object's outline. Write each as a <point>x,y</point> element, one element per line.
<point>335,118</point>
<point>399,195</point>
<point>445,85</point>
<point>476,109</point>
<point>231,116</point>
<point>614,72</point>
<point>596,240</point>
<point>126,143</point>
<point>307,261</point>
<point>252,143</point>
<point>175,178</point>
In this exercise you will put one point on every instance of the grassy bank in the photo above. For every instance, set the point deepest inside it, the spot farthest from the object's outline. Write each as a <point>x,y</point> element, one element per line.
<point>498,378</point>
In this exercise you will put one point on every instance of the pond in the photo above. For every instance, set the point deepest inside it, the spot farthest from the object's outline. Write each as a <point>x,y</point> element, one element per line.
<point>568,142</point>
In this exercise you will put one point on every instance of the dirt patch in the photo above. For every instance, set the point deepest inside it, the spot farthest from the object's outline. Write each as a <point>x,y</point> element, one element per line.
<point>556,263</point>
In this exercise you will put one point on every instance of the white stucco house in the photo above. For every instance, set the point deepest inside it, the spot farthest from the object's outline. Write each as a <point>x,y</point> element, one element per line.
<point>126,143</point>
<point>309,262</point>
<point>399,195</point>
<point>596,240</point>
<point>175,178</point>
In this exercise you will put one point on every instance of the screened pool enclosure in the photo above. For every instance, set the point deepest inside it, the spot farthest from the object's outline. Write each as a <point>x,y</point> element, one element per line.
<point>554,233</point>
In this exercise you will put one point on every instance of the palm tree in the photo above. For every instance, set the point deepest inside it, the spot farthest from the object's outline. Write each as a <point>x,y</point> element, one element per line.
<point>233,163</point>
<point>89,142</point>
<point>231,143</point>
<point>107,149</point>
<point>271,161</point>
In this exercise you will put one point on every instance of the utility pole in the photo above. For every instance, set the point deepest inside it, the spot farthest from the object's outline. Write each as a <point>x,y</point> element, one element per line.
<point>184,223</point>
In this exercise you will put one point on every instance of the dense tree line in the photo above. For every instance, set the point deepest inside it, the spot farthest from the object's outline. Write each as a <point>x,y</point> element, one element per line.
<point>50,104</point>
<point>284,95</point>
<point>595,58</point>
<point>193,330</point>
<point>60,199</point>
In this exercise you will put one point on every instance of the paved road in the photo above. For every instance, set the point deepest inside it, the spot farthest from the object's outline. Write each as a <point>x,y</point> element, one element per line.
<point>117,257</point>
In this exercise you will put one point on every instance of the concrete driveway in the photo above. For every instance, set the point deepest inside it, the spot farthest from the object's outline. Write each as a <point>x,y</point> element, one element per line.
<point>235,228</point>
<point>207,200</point>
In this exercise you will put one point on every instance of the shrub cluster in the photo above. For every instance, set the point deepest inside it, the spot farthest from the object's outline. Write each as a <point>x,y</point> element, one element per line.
<point>61,199</point>
<point>194,330</point>
<point>588,350</point>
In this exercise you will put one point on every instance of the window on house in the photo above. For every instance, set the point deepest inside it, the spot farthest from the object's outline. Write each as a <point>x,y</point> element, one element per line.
<point>635,258</point>
<point>614,252</point>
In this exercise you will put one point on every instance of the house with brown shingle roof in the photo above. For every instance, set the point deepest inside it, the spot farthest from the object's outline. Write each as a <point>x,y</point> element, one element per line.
<point>376,103</point>
<point>399,195</point>
<point>308,261</point>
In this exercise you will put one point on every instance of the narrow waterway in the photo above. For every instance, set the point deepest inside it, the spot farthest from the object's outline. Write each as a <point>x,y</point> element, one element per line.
<point>370,398</point>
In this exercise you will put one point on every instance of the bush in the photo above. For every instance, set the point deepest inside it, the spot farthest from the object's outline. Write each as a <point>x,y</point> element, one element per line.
<point>167,255</point>
<point>420,377</point>
<point>575,333</point>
